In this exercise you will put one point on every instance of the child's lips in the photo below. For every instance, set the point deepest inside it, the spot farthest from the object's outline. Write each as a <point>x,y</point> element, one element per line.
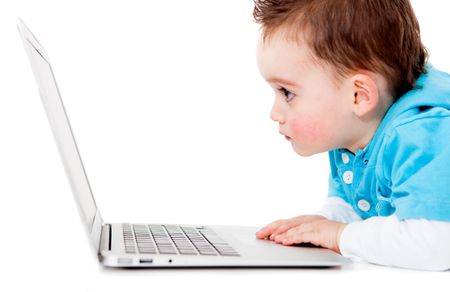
<point>286,136</point>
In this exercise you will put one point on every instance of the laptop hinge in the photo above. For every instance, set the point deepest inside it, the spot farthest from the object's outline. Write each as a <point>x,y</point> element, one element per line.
<point>105,241</point>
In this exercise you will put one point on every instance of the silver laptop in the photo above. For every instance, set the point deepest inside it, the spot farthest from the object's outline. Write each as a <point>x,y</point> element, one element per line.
<point>156,245</point>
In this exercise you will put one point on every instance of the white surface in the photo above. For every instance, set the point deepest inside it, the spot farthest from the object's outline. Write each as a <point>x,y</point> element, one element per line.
<point>168,110</point>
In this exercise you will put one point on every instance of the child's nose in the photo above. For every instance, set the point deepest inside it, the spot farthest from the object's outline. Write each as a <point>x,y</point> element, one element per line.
<point>275,113</point>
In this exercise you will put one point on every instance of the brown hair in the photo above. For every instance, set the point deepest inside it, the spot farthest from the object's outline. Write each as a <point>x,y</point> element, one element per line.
<point>381,36</point>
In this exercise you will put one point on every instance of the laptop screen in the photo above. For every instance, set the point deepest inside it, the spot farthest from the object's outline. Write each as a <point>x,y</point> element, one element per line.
<point>60,125</point>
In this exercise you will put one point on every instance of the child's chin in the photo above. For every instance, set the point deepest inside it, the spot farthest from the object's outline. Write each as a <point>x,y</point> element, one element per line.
<point>303,152</point>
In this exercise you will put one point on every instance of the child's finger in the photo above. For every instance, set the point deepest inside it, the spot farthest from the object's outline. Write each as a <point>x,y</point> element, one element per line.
<point>282,228</point>
<point>265,231</point>
<point>268,229</point>
<point>300,235</point>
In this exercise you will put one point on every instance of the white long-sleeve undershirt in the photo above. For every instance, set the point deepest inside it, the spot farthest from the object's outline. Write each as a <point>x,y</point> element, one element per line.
<point>413,243</point>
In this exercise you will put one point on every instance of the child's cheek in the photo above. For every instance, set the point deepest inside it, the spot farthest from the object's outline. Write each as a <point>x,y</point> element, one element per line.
<point>306,130</point>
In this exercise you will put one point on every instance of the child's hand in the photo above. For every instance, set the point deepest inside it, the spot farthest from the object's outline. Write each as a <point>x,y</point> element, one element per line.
<point>318,231</point>
<point>325,233</point>
<point>281,226</point>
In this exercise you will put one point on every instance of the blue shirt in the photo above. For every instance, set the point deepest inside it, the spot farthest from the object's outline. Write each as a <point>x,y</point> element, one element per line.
<point>405,169</point>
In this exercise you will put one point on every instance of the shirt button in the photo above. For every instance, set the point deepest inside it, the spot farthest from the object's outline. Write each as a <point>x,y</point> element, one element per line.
<point>345,158</point>
<point>348,177</point>
<point>363,205</point>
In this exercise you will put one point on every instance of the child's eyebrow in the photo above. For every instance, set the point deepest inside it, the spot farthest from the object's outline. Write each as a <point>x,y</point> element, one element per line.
<point>281,80</point>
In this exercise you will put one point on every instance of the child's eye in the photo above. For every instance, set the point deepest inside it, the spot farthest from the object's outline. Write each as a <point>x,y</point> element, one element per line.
<point>288,96</point>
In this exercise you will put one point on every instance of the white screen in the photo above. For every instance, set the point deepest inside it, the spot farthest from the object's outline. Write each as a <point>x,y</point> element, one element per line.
<point>60,125</point>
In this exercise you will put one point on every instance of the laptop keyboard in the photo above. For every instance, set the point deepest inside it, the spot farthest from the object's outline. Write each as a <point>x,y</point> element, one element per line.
<point>174,239</point>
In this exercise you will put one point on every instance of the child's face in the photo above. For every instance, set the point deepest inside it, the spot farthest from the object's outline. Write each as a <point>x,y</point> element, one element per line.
<point>312,110</point>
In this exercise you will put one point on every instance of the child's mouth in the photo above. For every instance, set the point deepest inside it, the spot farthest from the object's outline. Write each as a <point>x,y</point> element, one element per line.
<point>288,138</point>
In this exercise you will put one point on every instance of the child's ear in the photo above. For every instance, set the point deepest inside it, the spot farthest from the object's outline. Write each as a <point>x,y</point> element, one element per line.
<point>365,94</point>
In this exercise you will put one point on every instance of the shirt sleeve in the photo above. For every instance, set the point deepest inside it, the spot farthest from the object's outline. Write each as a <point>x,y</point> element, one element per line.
<point>416,168</point>
<point>335,208</point>
<point>414,243</point>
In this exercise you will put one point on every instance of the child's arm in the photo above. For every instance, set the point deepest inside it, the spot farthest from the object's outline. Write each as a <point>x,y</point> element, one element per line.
<point>413,243</point>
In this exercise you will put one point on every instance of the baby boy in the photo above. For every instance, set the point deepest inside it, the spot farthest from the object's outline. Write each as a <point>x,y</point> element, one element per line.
<point>351,78</point>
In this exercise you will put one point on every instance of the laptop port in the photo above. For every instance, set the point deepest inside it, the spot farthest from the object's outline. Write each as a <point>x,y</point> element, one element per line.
<point>145,261</point>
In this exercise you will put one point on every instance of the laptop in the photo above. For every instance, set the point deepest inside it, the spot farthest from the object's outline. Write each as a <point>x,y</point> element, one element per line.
<point>156,245</point>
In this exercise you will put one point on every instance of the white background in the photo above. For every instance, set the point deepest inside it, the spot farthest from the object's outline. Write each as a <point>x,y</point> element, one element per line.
<point>172,120</point>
